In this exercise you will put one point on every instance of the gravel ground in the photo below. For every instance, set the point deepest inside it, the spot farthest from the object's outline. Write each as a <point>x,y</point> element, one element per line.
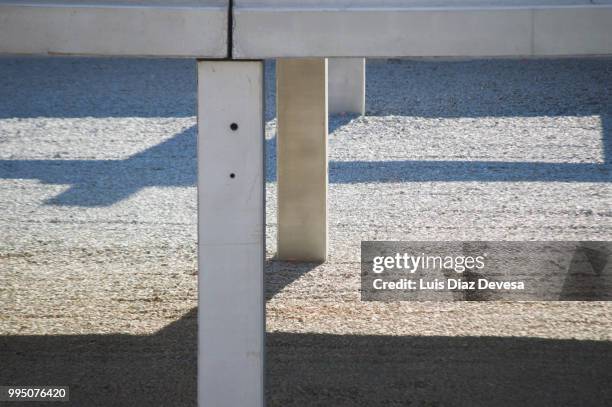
<point>98,234</point>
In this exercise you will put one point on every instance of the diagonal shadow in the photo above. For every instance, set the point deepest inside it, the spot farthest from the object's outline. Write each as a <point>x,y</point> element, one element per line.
<point>588,272</point>
<point>171,163</point>
<point>280,274</point>
<point>321,369</point>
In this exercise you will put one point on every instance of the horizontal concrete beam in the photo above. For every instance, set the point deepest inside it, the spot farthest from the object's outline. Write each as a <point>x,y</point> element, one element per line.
<point>307,28</point>
<point>371,28</point>
<point>158,28</point>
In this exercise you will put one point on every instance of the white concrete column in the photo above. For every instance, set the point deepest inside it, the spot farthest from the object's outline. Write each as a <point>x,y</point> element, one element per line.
<point>231,321</point>
<point>347,85</point>
<point>301,92</point>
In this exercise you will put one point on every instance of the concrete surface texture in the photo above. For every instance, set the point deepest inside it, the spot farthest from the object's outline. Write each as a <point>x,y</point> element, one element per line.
<point>231,224</point>
<point>98,234</point>
<point>397,28</point>
<point>173,28</point>
<point>302,169</point>
<point>346,85</point>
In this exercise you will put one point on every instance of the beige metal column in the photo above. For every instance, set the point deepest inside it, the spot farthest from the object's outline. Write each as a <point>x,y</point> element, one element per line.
<point>301,86</point>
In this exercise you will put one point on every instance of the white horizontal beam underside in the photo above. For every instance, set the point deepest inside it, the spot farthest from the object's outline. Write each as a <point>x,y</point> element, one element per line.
<point>138,30</point>
<point>268,32</point>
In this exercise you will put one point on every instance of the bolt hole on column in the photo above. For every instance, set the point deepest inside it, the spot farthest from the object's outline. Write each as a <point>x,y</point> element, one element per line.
<point>234,126</point>
<point>232,175</point>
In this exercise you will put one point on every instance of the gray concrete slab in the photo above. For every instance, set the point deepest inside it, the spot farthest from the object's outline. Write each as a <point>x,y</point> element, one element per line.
<point>420,28</point>
<point>173,28</point>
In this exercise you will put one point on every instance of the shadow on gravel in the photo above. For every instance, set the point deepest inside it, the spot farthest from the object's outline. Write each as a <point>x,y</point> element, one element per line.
<point>92,183</point>
<point>172,163</point>
<point>280,274</point>
<point>96,87</point>
<point>82,87</point>
<point>478,171</point>
<point>321,370</point>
